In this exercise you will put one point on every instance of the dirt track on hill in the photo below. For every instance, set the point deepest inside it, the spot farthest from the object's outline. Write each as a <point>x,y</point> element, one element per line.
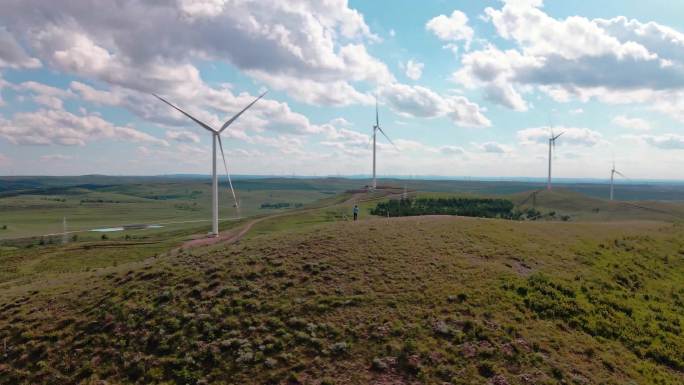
<point>234,235</point>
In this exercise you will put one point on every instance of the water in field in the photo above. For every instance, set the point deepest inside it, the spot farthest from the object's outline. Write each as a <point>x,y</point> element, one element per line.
<point>122,228</point>
<point>108,229</point>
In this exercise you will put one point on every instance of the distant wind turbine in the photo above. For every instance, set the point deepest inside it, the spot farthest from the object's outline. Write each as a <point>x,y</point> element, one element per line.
<point>377,128</point>
<point>613,171</point>
<point>216,137</point>
<point>552,146</point>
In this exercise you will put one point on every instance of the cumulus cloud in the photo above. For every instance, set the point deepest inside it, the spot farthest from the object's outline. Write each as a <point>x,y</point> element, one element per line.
<point>182,136</point>
<point>47,127</point>
<point>494,148</point>
<point>577,58</point>
<point>414,70</point>
<point>571,136</point>
<point>451,150</point>
<point>44,94</point>
<point>451,28</point>
<point>632,123</point>
<point>321,42</point>
<point>417,101</point>
<point>665,141</point>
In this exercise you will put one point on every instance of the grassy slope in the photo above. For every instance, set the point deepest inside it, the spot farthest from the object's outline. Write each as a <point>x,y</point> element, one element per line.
<point>584,208</point>
<point>407,300</point>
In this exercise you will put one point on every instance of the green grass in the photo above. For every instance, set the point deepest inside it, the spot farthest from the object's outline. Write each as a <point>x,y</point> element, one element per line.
<point>432,300</point>
<point>311,297</point>
<point>35,215</point>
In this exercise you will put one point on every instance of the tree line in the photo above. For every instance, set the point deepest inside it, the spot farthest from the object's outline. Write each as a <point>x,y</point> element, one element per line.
<point>468,207</point>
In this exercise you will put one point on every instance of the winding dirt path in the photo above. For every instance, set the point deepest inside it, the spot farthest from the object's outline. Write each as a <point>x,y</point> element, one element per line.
<point>234,235</point>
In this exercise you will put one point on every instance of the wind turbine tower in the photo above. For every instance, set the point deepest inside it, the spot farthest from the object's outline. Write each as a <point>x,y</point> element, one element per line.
<point>377,128</point>
<point>552,147</point>
<point>613,171</point>
<point>216,137</point>
<point>65,236</point>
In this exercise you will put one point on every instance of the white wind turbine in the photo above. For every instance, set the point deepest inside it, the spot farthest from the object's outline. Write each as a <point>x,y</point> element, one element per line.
<point>613,171</point>
<point>552,146</point>
<point>216,137</point>
<point>377,128</point>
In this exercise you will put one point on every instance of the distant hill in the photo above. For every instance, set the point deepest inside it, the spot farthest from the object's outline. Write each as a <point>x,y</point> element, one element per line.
<point>583,207</point>
<point>655,191</point>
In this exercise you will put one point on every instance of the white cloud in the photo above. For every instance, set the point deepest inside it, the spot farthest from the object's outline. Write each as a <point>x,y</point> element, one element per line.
<point>392,33</point>
<point>571,136</point>
<point>451,28</point>
<point>44,94</point>
<point>494,148</point>
<point>340,122</point>
<point>45,127</point>
<point>414,70</point>
<point>55,158</point>
<point>451,150</point>
<point>665,141</point>
<point>276,42</point>
<point>632,123</point>
<point>577,58</point>
<point>182,136</point>
<point>417,101</point>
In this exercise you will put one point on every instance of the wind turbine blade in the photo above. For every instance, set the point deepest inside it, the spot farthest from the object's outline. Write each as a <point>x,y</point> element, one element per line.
<point>225,165</point>
<point>619,173</point>
<point>377,116</point>
<point>387,137</point>
<point>201,123</point>
<point>558,136</point>
<point>231,120</point>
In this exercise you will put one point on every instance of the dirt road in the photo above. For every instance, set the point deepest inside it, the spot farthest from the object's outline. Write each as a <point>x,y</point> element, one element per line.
<point>234,235</point>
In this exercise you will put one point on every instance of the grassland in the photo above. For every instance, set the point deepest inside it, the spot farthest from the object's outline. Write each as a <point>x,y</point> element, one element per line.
<point>41,212</point>
<point>310,297</point>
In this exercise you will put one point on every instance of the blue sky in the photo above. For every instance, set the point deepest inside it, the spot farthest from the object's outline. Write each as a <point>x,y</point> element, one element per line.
<point>466,88</point>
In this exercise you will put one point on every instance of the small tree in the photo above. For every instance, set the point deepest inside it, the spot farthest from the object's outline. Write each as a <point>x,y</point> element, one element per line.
<point>74,238</point>
<point>4,227</point>
<point>104,237</point>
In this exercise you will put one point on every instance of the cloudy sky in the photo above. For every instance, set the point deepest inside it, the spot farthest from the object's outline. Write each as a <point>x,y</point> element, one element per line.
<point>466,88</point>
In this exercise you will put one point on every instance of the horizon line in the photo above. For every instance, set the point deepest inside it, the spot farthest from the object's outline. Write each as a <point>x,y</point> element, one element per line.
<point>429,177</point>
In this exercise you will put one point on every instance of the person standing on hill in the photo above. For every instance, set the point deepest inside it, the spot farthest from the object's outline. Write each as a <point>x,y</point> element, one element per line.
<point>356,212</point>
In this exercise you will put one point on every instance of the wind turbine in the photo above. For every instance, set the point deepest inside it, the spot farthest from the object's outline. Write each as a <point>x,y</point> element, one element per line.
<point>552,145</point>
<point>613,171</point>
<point>216,137</point>
<point>377,128</point>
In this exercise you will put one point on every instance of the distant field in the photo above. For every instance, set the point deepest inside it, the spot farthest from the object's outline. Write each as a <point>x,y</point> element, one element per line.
<point>35,206</point>
<point>41,211</point>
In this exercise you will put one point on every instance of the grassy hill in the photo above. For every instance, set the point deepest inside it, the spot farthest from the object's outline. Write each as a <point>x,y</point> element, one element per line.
<point>585,208</point>
<point>413,300</point>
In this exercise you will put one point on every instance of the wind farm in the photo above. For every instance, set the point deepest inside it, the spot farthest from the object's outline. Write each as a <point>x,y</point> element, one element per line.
<point>393,206</point>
